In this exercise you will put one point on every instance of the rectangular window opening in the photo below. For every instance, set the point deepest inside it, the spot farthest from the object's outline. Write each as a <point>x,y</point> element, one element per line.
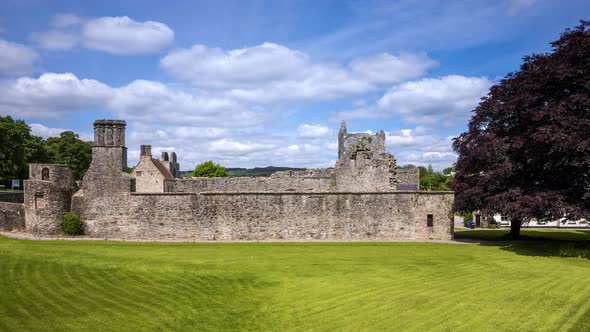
<point>429,220</point>
<point>39,201</point>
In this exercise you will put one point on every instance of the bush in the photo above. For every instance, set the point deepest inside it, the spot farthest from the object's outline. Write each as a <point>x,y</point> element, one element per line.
<point>72,224</point>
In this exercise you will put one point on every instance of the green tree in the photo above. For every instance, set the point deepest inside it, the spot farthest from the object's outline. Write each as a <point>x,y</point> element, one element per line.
<point>13,162</point>
<point>210,169</point>
<point>36,150</point>
<point>18,148</point>
<point>432,180</point>
<point>69,149</point>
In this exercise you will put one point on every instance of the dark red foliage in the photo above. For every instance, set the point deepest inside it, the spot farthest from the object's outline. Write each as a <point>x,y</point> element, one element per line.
<point>526,153</point>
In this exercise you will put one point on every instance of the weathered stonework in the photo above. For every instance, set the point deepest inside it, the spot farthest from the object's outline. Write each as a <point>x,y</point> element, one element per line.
<point>276,216</point>
<point>12,216</point>
<point>356,200</point>
<point>48,194</point>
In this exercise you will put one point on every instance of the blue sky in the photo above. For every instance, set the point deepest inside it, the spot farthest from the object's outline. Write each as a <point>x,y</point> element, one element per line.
<point>258,83</point>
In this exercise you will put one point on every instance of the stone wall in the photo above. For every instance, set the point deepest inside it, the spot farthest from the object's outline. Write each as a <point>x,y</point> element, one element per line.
<point>12,196</point>
<point>315,173</point>
<point>12,216</point>
<point>252,184</point>
<point>275,216</point>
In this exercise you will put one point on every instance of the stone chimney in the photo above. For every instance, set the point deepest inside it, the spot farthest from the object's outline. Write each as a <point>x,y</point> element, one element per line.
<point>145,151</point>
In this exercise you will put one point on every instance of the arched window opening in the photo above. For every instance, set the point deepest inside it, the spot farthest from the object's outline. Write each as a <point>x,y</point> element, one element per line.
<point>45,174</point>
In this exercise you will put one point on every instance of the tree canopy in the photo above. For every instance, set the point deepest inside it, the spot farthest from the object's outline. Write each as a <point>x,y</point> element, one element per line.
<point>526,153</point>
<point>433,180</point>
<point>210,169</point>
<point>19,148</point>
<point>69,149</point>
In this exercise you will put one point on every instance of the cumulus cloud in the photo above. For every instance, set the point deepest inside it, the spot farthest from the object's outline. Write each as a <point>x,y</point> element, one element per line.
<point>240,67</point>
<point>307,130</point>
<point>387,68</point>
<point>443,101</point>
<point>420,147</point>
<point>122,35</point>
<point>153,101</point>
<point>45,132</point>
<point>269,72</point>
<point>53,94</point>
<point>117,35</point>
<point>16,59</point>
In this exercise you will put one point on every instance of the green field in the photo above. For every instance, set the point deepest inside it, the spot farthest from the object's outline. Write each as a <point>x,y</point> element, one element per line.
<point>92,285</point>
<point>526,234</point>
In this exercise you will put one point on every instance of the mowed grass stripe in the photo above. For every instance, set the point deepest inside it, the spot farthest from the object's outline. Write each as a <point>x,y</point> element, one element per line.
<point>296,286</point>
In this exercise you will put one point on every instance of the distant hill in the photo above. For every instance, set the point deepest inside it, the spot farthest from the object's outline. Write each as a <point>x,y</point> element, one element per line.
<point>260,171</point>
<point>256,171</point>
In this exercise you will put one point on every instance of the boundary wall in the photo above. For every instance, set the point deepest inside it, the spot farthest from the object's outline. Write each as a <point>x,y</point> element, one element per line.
<point>295,216</point>
<point>12,215</point>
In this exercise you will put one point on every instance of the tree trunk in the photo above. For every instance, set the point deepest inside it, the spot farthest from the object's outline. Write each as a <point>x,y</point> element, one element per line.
<point>515,229</point>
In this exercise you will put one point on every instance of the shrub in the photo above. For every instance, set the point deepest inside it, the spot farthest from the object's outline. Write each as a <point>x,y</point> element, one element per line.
<point>72,224</point>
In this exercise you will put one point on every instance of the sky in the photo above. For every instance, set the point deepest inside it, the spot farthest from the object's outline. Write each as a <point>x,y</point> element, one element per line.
<point>260,83</point>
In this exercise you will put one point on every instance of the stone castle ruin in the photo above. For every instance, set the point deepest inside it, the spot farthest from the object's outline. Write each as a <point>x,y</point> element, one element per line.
<point>364,197</point>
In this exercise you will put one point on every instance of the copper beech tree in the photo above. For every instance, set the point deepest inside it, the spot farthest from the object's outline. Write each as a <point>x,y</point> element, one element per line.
<point>526,153</point>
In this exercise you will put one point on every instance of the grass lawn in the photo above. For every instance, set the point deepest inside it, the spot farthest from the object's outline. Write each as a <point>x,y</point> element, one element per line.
<point>526,234</point>
<point>92,285</point>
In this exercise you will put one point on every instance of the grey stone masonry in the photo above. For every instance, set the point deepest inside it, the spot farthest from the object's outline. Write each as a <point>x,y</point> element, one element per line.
<point>12,216</point>
<point>359,199</point>
<point>48,195</point>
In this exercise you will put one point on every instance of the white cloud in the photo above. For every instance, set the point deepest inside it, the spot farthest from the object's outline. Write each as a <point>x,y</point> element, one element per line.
<point>516,7</point>
<point>151,101</point>
<point>16,59</point>
<point>45,132</point>
<point>444,101</point>
<point>387,68</point>
<point>269,72</point>
<point>122,35</point>
<point>51,95</point>
<point>117,35</point>
<point>243,67</point>
<point>307,130</point>
<point>230,146</point>
<point>420,147</point>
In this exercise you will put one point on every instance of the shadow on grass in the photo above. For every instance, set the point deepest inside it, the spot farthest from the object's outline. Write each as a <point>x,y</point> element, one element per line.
<point>544,243</point>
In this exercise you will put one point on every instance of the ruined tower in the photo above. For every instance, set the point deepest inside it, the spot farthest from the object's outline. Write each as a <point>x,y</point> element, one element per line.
<point>363,163</point>
<point>48,193</point>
